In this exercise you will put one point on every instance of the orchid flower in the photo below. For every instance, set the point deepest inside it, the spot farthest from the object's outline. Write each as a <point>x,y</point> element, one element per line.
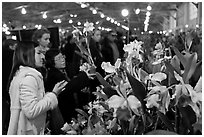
<point>110,68</point>
<point>124,100</point>
<point>186,89</point>
<point>88,27</point>
<point>158,97</point>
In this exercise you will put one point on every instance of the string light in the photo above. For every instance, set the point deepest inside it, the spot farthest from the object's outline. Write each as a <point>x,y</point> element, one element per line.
<point>137,11</point>
<point>149,8</point>
<point>23,11</point>
<point>44,15</point>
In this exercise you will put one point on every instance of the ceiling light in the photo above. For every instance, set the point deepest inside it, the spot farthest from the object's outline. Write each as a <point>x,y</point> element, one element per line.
<point>149,8</point>
<point>97,22</point>
<point>75,15</point>
<point>70,21</point>
<point>44,15</point>
<point>83,5</point>
<point>148,13</point>
<point>137,11</point>
<point>197,26</point>
<point>112,20</point>
<point>94,11</point>
<point>23,11</point>
<point>102,15</point>
<point>125,12</point>
<point>108,18</point>
<point>24,27</point>
<point>79,23</point>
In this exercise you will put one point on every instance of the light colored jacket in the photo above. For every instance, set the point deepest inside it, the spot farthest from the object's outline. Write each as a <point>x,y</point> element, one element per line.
<point>29,103</point>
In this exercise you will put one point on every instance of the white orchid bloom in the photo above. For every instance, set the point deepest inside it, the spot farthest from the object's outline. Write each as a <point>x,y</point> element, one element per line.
<point>153,101</point>
<point>88,27</point>
<point>186,89</point>
<point>159,76</point>
<point>116,101</point>
<point>156,95</point>
<point>110,68</point>
<point>158,46</point>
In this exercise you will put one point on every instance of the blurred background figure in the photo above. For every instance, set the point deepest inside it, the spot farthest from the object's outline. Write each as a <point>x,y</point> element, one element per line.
<point>8,48</point>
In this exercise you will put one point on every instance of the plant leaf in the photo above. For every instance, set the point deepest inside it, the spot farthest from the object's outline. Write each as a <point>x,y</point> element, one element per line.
<point>138,89</point>
<point>166,121</point>
<point>112,123</point>
<point>102,80</point>
<point>103,96</point>
<point>175,62</point>
<point>109,91</point>
<point>190,68</point>
<point>82,112</point>
<point>180,56</point>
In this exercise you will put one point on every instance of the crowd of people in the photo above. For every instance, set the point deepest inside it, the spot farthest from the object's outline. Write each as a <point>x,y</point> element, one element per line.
<point>42,86</point>
<point>45,84</point>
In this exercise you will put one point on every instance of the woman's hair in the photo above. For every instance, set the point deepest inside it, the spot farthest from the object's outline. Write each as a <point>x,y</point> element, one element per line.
<point>38,34</point>
<point>49,57</point>
<point>24,55</point>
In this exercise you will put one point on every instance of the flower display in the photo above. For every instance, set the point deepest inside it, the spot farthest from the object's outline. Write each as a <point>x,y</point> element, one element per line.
<point>132,101</point>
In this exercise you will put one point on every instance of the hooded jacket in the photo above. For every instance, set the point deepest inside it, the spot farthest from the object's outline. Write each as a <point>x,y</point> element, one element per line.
<point>29,103</point>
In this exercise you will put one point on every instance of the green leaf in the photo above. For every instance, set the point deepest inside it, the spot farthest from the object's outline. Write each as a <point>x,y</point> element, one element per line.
<point>102,80</point>
<point>82,112</point>
<point>112,124</point>
<point>180,56</point>
<point>190,68</point>
<point>165,120</point>
<point>103,96</point>
<point>117,80</point>
<point>104,105</point>
<point>109,91</point>
<point>175,62</point>
<point>188,116</point>
<point>123,114</point>
<point>138,89</point>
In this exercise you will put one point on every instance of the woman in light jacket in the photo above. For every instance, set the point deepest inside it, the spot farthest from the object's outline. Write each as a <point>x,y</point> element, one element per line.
<point>29,103</point>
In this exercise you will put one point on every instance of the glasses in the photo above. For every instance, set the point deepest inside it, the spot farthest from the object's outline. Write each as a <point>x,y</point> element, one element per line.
<point>61,57</point>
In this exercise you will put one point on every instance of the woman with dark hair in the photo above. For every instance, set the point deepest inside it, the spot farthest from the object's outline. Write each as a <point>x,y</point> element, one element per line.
<point>29,103</point>
<point>68,100</point>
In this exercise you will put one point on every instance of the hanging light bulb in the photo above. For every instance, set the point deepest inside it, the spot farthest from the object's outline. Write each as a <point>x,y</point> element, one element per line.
<point>79,23</point>
<point>44,15</point>
<point>125,12</point>
<point>149,8</point>
<point>102,15</point>
<point>137,11</point>
<point>23,11</point>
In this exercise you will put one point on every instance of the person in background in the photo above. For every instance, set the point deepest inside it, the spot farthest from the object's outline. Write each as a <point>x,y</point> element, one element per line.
<point>29,103</point>
<point>8,48</point>
<point>71,98</point>
<point>109,49</point>
<point>95,49</point>
<point>41,38</point>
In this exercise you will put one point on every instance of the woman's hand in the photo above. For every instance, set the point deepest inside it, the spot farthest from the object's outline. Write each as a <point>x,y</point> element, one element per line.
<point>59,87</point>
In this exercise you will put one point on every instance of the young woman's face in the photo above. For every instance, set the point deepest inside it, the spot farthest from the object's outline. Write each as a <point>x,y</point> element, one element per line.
<point>39,57</point>
<point>97,36</point>
<point>44,40</point>
<point>60,61</point>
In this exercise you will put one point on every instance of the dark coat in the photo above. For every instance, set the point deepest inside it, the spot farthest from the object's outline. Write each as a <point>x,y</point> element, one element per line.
<point>68,100</point>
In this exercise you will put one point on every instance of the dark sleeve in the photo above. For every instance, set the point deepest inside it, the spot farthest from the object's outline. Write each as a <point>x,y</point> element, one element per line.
<point>77,83</point>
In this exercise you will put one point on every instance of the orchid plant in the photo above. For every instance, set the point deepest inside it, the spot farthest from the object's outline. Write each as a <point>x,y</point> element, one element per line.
<point>81,37</point>
<point>131,101</point>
